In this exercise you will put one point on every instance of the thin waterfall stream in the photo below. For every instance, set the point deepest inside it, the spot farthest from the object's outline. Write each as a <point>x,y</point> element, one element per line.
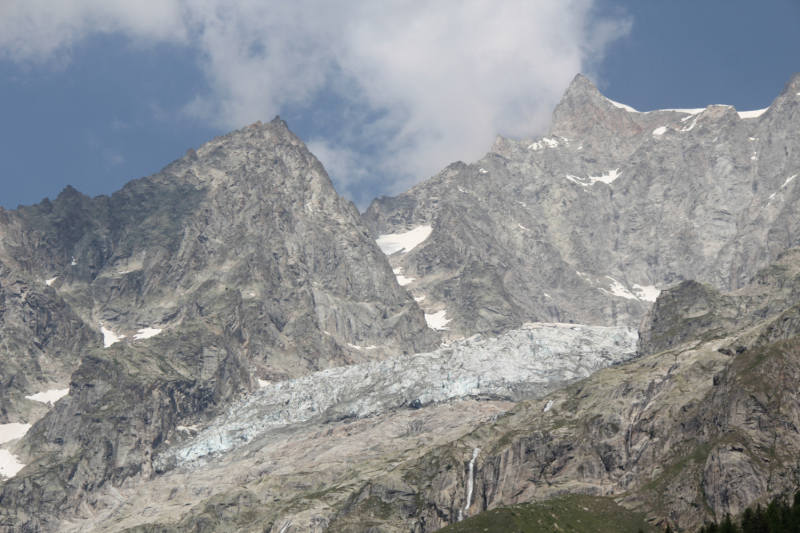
<point>470,482</point>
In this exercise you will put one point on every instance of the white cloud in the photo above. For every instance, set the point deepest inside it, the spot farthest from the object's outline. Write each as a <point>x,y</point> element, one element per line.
<point>434,81</point>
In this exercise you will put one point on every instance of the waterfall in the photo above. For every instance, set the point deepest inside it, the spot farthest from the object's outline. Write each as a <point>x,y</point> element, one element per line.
<point>470,482</point>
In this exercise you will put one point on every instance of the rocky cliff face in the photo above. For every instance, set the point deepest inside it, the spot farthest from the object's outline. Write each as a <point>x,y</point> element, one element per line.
<point>590,222</point>
<point>236,263</point>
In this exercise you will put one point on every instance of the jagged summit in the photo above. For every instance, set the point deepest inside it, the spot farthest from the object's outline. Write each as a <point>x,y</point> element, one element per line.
<point>583,112</point>
<point>588,223</point>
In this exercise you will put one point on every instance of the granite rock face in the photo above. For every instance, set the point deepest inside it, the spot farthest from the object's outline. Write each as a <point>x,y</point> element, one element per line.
<point>167,301</point>
<point>587,224</point>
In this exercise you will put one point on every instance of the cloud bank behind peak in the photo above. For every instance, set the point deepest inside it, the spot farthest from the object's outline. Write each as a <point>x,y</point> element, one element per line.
<point>400,88</point>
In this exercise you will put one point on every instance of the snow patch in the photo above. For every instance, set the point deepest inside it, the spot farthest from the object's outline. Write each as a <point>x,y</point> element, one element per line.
<point>648,293</point>
<point>9,464</point>
<point>12,431</point>
<point>51,396</point>
<point>689,111</point>
<point>437,320</point>
<point>109,337</point>
<point>403,242</point>
<point>788,180</point>
<point>606,178</point>
<point>691,126</point>
<point>146,333</point>
<point>483,171</point>
<point>73,261</point>
<point>402,280</point>
<point>618,289</point>
<point>354,346</point>
<point>622,106</point>
<point>548,406</point>
<point>419,299</point>
<point>752,114</point>
<point>660,131</point>
<point>544,143</point>
<point>262,383</point>
<point>50,281</point>
<point>371,347</point>
<point>523,227</point>
<point>547,295</point>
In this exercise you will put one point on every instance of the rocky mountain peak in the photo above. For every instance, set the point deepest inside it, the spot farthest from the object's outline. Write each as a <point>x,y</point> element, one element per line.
<point>584,112</point>
<point>792,86</point>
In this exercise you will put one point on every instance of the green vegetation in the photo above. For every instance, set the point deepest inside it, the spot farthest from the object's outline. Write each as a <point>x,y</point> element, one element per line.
<point>778,517</point>
<point>574,513</point>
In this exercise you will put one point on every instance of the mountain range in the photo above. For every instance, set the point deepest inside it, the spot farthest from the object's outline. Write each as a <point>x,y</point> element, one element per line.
<point>229,345</point>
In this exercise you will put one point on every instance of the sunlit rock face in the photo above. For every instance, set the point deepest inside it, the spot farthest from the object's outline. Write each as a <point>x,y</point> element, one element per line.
<point>589,223</point>
<point>230,345</point>
<point>163,303</point>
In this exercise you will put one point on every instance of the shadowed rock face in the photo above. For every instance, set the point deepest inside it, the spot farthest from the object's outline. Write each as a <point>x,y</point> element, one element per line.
<point>239,257</point>
<point>586,224</point>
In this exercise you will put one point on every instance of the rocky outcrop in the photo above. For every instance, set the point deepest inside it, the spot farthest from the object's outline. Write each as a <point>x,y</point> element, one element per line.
<point>587,224</point>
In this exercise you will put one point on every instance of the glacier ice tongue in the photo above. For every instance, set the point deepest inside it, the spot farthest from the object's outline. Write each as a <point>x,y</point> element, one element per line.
<point>529,362</point>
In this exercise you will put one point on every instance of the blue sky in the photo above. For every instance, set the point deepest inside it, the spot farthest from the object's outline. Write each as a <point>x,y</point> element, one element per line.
<point>385,94</point>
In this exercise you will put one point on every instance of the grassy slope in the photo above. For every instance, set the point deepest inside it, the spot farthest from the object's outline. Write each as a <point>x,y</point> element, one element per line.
<point>564,514</point>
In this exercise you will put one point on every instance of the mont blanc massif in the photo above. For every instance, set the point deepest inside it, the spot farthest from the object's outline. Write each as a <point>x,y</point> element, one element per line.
<point>596,330</point>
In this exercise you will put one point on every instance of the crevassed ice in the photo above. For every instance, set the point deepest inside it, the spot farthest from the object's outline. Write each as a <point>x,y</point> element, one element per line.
<point>51,396</point>
<point>526,363</point>
<point>109,337</point>
<point>437,320</point>
<point>403,242</point>
<point>146,333</point>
